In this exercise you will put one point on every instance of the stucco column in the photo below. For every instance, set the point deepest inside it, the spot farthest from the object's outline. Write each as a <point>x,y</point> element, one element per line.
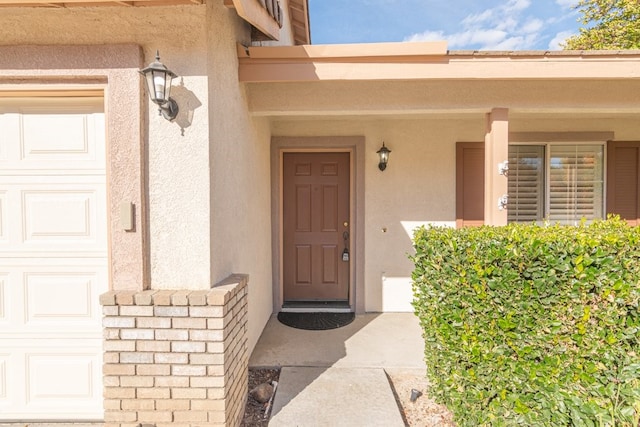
<point>496,151</point>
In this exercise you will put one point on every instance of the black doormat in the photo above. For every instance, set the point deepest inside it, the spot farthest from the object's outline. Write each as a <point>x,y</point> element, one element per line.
<point>315,321</point>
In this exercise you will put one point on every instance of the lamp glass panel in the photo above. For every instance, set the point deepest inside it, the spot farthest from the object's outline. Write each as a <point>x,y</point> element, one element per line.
<point>384,156</point>
<point>168,80</point>
<point>159,86</point>
<point>150,87</point>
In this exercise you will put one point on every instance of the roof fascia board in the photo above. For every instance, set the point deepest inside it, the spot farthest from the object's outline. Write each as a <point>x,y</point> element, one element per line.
<point>65,3</point>
<point>360,50</point>
<point>409,61</point>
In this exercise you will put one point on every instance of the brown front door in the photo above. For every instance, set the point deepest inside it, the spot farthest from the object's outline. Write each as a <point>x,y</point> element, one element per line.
<point>316,226</point>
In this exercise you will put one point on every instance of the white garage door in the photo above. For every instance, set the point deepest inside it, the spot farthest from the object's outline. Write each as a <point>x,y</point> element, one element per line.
<point>53,257</point>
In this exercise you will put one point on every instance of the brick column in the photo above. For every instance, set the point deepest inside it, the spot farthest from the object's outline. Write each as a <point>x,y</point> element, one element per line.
<point>176,358</point>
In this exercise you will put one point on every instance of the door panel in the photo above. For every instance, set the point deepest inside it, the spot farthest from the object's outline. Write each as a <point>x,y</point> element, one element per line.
<point>315,211</point>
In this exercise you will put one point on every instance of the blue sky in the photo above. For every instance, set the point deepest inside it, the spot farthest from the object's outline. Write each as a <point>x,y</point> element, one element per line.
<point>464,24</point>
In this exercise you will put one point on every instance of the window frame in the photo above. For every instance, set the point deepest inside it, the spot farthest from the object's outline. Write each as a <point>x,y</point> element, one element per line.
<point>547,171</point>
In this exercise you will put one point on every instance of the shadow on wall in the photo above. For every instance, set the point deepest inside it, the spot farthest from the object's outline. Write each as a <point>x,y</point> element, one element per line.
<point>188,102</point>
<point>397,293</point>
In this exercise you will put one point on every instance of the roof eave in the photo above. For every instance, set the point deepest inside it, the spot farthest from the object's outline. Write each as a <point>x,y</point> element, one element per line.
<point>427,61</point>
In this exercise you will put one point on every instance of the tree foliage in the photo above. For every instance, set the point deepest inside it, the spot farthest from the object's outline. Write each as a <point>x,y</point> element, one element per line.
<point>609,25</point>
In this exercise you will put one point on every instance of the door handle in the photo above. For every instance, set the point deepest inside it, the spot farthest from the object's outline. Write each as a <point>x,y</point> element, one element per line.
<point>346,223</point>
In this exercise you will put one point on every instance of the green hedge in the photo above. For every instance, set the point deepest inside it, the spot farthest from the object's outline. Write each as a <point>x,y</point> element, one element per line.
<point>532,325</point>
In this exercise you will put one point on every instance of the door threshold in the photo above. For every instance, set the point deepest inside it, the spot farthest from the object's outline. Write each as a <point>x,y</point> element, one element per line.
<point>316,307</point>
<point>315,310</point>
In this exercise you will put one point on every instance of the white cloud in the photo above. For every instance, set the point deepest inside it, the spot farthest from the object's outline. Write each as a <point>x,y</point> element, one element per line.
<point>554,44</point>
<point>490,39</point>
<point>478,18</point>
<point>532,26</point>
<point>507,24</point>
<point>481,37</point>
<point>504,27</point>
<point>567,4</point>
<point>427,36</point>
<point>516,5</point>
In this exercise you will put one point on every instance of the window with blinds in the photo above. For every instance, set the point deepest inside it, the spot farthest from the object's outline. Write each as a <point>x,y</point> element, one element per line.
<point>526,183</point>
<point>563,183</point>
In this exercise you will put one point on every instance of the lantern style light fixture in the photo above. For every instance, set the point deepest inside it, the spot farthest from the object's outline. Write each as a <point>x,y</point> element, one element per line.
<point>383,153</point>
<point>158,79</point>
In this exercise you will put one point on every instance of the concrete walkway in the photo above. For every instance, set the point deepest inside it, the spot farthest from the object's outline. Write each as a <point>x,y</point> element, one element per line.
<point>337,377</point>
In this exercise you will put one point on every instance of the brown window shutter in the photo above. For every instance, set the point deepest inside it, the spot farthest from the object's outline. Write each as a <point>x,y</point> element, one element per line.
<point>623,180</point>
<point>469,184</point>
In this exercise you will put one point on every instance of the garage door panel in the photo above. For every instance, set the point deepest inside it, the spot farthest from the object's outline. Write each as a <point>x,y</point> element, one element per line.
<point>3,221</point>
<point>59,297</point>
<point>8,301</point>
<point>4,358</point>
<point>59,215</point>
<point>9,150</point>
<point>50,300</point>
<point>54,376</point>
<point>53,217</point>
<point>52,141</point>
<point>3,299</point>
<point>9,216</point>
<point>53,258</point>
<point>52,381</point>
<point>37,143</point>
<point>11,385</point>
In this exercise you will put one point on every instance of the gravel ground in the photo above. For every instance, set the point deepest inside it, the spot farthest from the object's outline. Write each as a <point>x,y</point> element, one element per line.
<point>424,412</point>
<point>254,412</point>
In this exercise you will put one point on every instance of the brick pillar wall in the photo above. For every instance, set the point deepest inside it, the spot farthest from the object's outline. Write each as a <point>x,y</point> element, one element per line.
<point>176,358</point>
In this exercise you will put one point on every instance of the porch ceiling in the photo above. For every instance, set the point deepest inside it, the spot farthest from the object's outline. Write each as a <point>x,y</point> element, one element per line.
<point>85,3</point>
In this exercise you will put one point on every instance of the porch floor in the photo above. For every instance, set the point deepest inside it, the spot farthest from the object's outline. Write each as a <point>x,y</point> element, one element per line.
<point>338,376</point>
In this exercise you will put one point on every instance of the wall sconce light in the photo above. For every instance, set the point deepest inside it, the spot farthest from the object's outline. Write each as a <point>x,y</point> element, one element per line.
<point>503,168</point>
<point>503,202</point>
<point>158,79</point>
<point>383,153</point>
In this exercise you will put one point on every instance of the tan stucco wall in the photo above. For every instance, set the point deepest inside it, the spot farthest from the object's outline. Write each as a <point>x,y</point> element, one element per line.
<point>417,186</point>
<point>178,197</point>
<point>91,68</point>
<point>624,126</point>
<point>435,96</point>
<point>240,204</point>
<point>208,212</point>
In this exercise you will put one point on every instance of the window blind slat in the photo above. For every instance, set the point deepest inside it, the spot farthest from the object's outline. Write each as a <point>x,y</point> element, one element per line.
<point>526,183</point>
<point>575,186</point>
<point>575,183</point>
